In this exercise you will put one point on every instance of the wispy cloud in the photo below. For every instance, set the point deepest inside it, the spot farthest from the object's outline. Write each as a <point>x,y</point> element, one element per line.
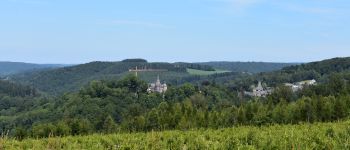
<point>35,2</point>
<point>308,9</point>
<point>140,24</point>
<point>240,5</point>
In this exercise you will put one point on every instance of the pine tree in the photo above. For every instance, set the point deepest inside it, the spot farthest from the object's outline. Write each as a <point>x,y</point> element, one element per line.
<point>109,125</point>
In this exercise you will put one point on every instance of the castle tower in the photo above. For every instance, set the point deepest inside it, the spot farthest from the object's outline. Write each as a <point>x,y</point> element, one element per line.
<point>158,80</point>
<point>260,86</point>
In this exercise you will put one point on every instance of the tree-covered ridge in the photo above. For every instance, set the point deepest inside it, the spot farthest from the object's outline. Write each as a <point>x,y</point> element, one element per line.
<point>322,67</point>
<point>61,80</point>
<point>7,68</point>
<point>135,60</point>
<point>320,71</point>
<point>250,67</point>
<point>124,105</point>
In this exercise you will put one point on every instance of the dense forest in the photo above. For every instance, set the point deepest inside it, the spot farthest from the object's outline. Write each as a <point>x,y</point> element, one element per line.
<point>124,105</point>
<point>72,78</point>
<point>320,71</point>
<point>250,67</point>
<point>7,68</point>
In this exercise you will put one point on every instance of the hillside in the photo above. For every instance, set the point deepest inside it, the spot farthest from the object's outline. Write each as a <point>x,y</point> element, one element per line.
<point>7,68</point>
<point>251,67</point>
<point>321,71</point>
<point>125,105</point>
<point>8,88</point>
<point>20,104</point>
<point>324,67</point>
<point>67,79</point>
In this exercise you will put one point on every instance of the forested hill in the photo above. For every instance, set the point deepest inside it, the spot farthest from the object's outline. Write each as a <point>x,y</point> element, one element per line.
<point>322,67</point>
<point>7,68</point>
<point>11,89</point>
<point>251,67</point>
<point>111,106</point>
<point>68,79</point>
<point>320,71</point>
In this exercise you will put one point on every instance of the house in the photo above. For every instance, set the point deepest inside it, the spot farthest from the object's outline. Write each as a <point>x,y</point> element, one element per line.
<point>300,85</point>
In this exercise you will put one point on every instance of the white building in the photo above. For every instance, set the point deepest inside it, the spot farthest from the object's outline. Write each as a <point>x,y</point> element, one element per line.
<point>157,87</point>
<point>300,85</point>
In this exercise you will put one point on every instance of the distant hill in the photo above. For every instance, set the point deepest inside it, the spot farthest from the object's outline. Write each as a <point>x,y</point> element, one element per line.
<point>7,68</point>
<point>251,67</point>
<point>69,79</point>
<point>66,79</point>
<point>328,66</point>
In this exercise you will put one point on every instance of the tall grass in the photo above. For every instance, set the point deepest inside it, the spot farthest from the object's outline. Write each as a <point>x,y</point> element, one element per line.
<point>304,136</point>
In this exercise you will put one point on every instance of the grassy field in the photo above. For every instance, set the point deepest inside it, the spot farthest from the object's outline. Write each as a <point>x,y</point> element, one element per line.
<point>305,136</point>
<point>203,73</point>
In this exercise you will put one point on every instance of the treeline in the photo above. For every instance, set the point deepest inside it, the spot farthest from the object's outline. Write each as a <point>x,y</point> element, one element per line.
<point>71,79</point>
<point>195,66</point>
<point>124,106</point>
<point>13,89</point>
<point>135,60</point>
<point>324,67</point>
<point>251,67</point>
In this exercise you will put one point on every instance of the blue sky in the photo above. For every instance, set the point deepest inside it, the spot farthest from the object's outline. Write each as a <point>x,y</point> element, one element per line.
<point>78,31</point>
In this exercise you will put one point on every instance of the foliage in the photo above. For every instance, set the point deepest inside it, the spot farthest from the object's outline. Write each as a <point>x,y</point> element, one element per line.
<point>109,106</point>
<point>201,72</point>
<point>7,68</point>
<point>71,79</point>
<point>13,89</point>
<point>251,67</point>
<point>325,71</point>
<point>135,60</point>
<point>304,136</point>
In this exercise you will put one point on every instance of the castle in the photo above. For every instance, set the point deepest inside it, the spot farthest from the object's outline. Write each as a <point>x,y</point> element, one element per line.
<point>157,87</point>
<point>259,91</point>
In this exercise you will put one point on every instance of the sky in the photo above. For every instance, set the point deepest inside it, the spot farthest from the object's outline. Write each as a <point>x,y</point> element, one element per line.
<point>80,31</point>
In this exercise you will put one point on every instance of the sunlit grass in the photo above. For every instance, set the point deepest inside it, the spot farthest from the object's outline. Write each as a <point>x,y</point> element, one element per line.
<point>304,136</point>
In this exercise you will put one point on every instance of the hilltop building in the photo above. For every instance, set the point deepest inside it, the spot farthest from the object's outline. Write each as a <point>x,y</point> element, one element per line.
<point>259,91</point>
<point>157,87</point>
<point>300,85</point>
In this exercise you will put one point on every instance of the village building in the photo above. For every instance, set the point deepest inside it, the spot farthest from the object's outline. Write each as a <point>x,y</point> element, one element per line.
<point>157,87</point>
<point>300,85</point>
